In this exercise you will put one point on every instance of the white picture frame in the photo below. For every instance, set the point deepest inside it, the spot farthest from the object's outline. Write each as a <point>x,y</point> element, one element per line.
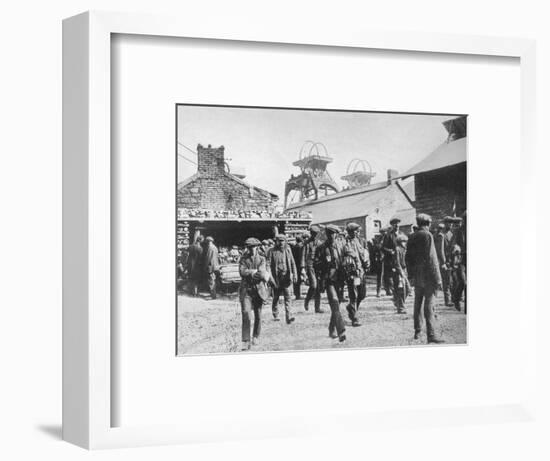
<point>87,365</point>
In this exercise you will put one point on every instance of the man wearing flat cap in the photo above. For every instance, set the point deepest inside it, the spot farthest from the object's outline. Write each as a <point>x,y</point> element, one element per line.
<point>425,276</point>
<point>401,286</point>
<point>378,261</point>
<point>308,270</point>
<point>443,244</point>
<point>329,259</point>
<point>211,265</point>
<point>355,275</point>
<point>252,291</point>
<point>264,247</point>
<point>389,244</point>
<point>283,273</point>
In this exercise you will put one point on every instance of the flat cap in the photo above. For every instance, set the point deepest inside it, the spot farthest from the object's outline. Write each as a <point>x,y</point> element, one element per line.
<point>306,235</point>
<point>402,238</point>
<point>441,226</point>
<point>281,237</point>
<point>252,242</point>
<point>423,218</point>
<point>265,242</point>
<point>353,226</point>
<point>209,239</point>
<point>315,228</point>
<point>270,241</point>
<point>395,220</point>
<point>332,229</point>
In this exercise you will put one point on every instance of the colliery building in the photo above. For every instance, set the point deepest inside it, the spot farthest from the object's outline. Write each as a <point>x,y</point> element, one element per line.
<point>371,206</point>
<point>440,178</point>
<point>218,203</point>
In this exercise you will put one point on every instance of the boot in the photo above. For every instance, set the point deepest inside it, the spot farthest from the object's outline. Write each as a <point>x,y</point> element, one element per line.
<point>435,341</point>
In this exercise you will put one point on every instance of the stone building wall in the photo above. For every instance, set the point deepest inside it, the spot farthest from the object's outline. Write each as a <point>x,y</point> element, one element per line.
<point>213,188</point>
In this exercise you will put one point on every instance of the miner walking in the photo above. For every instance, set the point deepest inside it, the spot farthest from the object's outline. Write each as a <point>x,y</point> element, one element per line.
<point>356,266</point>
<point>252,291</point>
<point>283,274</point>
<point>329,259</point>
<point>423,267</point>
<point>309,272</point>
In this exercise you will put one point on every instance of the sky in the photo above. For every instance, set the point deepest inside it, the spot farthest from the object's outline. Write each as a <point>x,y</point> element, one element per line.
<point>266,141</point>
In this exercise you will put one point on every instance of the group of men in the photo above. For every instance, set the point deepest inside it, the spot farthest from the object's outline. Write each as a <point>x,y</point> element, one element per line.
<point>275,268</point>
<point>342,260</point>
<point>203,265</point>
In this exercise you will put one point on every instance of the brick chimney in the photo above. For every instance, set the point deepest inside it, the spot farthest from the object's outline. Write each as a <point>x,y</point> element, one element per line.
<point>392,174</point>
<point>211,161</point>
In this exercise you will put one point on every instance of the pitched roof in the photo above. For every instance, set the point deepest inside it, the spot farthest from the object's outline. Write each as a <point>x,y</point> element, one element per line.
<point>190,179</point>
<point>347,204</point>
<point>338,195</point>
<point>447,154</point>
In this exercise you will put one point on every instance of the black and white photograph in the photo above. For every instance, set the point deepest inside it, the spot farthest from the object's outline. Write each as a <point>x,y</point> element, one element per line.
<point>308,229</point>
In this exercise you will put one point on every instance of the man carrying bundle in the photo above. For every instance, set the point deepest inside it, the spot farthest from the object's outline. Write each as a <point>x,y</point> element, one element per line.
<point>356,266</point>
<point>252,291</point>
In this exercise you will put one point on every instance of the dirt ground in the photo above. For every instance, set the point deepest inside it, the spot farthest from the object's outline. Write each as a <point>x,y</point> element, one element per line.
<point>214,326</point>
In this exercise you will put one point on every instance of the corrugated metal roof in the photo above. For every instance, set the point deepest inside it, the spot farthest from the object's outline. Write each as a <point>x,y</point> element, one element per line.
<point>447,154</point>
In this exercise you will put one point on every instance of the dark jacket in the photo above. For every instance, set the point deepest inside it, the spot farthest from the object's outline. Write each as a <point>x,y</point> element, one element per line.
<point>194,260</point>
<point>297,251</point>
<point>421,260</point>
<point>389,244</point>
<point>443,245</point>
<point>308,253</point>
<point>329,260</point>
<point>282,267</point>
<point>248,266</point>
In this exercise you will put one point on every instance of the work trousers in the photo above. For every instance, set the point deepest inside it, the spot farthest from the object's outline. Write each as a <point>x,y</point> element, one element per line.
<point>336,320</point>
<point>298,286</point>
<point>313,292</point>
<point>426,296</point>
<point>399,292</point>
<point>211,279</point>
<point>356,294</point>
<point>459,285</point>
<point>285,291</point>
<point>387,277</point>
<point>447,282</point>
<point>378,271</point>
<point>248,304</point>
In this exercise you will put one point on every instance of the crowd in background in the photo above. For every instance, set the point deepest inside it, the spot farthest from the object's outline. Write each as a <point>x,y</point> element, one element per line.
<point>331,260</point>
